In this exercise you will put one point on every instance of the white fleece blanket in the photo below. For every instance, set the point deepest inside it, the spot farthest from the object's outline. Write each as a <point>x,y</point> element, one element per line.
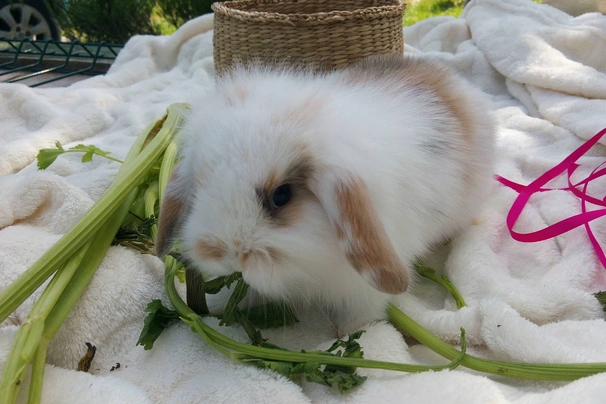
<point>528,302</point>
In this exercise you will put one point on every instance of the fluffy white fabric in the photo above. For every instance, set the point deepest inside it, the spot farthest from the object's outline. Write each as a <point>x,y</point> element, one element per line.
<point>530,302</point>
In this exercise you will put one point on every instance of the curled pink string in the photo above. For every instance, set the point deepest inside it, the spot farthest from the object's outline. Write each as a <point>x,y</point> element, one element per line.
<point>569,164</point>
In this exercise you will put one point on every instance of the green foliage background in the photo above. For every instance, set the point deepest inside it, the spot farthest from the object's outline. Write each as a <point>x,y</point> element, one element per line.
<point>115,21</point>
<point>423,9</point>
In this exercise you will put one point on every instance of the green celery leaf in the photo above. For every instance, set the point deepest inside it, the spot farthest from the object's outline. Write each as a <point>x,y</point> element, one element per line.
<point>229,317</point>
<point>233,278</point>
<point>601,296</point>
<point>318,377</point>
<point>87,157</point>
<point>344,382</point>
<point>251,331</point>
<point>351,349</point>
<point>157,320</point>
<point>283,368</point>
<point>305,368</point>
<point>215,285</point>
<point>88,151</point>
<point>46,157</point>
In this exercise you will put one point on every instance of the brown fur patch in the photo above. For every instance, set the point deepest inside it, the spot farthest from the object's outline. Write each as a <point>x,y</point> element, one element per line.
<point>244,259</point>
<point>272,182</point>
<point>370,252</point>
<point>210,248</point>
<point>298,176</point>
<point>274,254</point>
<point>170,215</point>
<point>396,73</point>
<point>173,208</point>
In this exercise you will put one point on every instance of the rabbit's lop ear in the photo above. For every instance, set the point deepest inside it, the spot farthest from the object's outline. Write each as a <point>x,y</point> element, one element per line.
<point>173,209</point>
<point>368,248</point>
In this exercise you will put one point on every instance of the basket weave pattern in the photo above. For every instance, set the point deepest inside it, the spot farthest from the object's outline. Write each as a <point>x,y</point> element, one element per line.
<point>322,34</point>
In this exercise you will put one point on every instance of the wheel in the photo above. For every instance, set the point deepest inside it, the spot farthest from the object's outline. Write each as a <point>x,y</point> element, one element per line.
<point>27,19</point>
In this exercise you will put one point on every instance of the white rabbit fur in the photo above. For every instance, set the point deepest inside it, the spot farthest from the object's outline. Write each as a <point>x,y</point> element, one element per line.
<point>386,158</point>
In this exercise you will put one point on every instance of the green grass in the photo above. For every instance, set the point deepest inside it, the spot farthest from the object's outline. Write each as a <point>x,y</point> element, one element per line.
<point>432,8</point>
<point>161,25</point>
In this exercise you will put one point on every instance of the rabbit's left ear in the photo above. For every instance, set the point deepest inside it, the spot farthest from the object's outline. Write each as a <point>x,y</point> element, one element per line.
<point>368,249</point>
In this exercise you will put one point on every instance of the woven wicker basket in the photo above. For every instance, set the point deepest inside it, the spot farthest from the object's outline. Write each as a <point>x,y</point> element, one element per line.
<point>322,34</point>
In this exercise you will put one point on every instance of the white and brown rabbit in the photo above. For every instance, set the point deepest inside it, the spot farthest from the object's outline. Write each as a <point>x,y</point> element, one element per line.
<point>323,189</point>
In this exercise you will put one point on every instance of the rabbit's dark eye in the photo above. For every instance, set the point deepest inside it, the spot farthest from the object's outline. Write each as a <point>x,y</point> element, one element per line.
<point>281,196</point>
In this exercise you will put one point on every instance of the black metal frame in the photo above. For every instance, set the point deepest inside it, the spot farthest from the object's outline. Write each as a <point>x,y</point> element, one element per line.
<point>36,58</point>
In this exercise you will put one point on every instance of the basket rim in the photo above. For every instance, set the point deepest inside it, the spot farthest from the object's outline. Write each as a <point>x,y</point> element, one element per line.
<point>229,8</point>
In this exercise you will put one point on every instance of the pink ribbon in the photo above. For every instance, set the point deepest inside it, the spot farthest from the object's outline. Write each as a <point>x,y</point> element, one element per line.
<point>582,219</point>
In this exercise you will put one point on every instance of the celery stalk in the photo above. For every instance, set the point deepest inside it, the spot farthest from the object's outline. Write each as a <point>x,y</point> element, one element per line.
<point>168,164</point>
<point>92,259</point>
<point>67,246</point>
<point>37,374</point>
<point>150,199</point>
<point>531,371</point>
<point>443,281</point>
<point>71,279</point>
<point>102,241</point>
<point>30,333</point>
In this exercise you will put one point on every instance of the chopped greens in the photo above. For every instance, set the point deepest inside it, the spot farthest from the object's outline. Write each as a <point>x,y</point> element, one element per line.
<point>344,377</point>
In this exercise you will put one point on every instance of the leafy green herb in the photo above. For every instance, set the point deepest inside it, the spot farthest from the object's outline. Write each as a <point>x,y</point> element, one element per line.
<point>155,322</point>
<point>344,377</point>
<point>601,296</point>
<point>214,286</point>
<point>351,349</point>
<point>46,157</point>
<point>229,317</point>
<point>253,334</point>
<point>137,237</point>
<point>343,381</point>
